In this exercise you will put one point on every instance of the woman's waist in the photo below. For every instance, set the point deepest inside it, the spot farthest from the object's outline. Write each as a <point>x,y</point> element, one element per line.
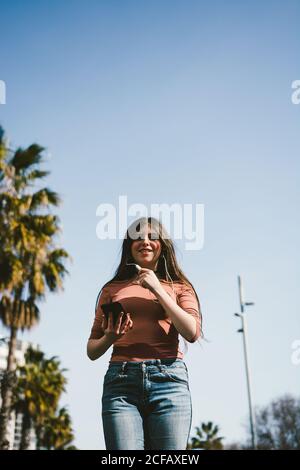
<point>145,363</point>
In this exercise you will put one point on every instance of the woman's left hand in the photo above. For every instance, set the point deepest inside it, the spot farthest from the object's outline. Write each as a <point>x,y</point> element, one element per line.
<point>148,279</point>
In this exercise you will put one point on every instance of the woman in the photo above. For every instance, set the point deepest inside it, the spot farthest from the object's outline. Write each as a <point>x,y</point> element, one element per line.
<point>146,401</point>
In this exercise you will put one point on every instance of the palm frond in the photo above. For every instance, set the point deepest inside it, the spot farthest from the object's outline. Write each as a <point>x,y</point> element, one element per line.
<point>20,314</point>
<point>42,224</point>
<point>44,197</point>
<point>11,271</point>
<point>25,159</point>
<point>36,174</point>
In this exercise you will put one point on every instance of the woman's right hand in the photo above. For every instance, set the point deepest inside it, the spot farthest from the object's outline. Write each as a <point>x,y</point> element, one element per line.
<point>114,332</point>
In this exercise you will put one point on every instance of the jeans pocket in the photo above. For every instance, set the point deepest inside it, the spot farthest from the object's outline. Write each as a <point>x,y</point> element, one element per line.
<point>112,376</point>
<point>176,374</point>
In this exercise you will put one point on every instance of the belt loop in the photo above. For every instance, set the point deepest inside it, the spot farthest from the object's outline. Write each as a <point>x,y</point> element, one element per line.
<point>123,367</point>
<point>159,364</point>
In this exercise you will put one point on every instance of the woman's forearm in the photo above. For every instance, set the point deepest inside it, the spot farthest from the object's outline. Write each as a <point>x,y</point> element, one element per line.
<point>184,323</point>
<point>97,347</point>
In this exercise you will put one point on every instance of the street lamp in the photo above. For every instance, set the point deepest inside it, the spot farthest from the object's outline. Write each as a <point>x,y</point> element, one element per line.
<point>243,330</point>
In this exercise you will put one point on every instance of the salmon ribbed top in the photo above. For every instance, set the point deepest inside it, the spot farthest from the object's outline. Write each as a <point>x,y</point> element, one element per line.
<point>153,335</point>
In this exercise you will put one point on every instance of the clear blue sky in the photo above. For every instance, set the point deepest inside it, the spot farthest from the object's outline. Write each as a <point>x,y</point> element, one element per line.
<point>168,101</point>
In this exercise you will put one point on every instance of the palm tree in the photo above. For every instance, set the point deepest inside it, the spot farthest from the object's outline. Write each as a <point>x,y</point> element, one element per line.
<point>56,432</point>
<point>206,438</point>
<point>40,383</point>
<point>30,263</point>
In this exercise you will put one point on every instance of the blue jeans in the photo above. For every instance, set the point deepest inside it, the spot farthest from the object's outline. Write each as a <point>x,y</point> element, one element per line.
<point>147,405</point>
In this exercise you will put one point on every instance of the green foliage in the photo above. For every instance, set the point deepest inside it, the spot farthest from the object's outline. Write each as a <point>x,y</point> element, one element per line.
<point>278,424</point>
<point>30,261</point>
<point>206,437</point>
<point>39,387</point>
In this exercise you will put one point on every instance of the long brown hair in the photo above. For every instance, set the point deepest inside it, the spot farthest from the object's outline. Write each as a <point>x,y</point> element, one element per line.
<point>167,266</point>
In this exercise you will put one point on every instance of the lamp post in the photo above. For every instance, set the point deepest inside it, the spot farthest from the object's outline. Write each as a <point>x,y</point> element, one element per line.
<point>243,330</point>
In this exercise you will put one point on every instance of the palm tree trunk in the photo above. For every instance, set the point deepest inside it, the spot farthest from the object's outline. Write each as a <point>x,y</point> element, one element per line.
<point>26,428</point>
<point>7,389</point>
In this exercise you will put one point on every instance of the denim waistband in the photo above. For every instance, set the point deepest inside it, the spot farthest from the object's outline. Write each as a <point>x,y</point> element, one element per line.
<point>146,362</point>
<point>136,365</point>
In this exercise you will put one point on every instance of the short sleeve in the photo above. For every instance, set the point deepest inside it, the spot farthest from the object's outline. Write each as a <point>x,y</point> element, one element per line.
<point>96,331</point>
<point>187,300</point>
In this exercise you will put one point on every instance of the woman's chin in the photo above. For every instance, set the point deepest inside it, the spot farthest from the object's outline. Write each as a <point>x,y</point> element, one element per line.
<point>145,263</point>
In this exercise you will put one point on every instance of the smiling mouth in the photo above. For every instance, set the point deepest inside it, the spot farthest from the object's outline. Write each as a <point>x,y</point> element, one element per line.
<point>145,250</point>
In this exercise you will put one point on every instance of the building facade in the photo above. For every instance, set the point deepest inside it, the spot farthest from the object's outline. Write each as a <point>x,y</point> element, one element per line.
<point>15,423</point>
